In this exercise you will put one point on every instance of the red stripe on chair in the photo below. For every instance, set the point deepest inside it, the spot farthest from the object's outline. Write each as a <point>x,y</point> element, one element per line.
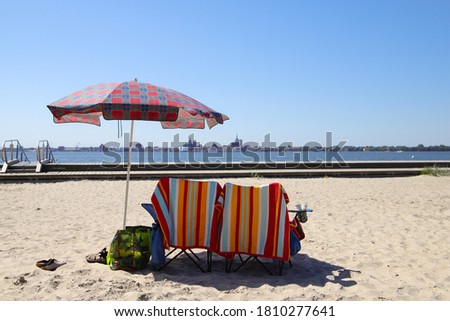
<point>185,204</point>
<point>238,218</point>
<point>250,223</point>
<point>199,218</point>
<point>272,224</point>
<point>163,187</point>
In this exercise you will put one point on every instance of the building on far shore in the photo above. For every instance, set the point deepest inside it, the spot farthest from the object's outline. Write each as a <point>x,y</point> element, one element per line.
<point>237,144</point>
<point>192,144</point>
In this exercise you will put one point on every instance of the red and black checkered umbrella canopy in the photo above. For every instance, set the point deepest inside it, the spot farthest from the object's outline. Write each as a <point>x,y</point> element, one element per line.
<point>134,101</point>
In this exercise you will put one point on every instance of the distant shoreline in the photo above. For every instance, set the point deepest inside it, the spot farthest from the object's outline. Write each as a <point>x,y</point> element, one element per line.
<point>441,148</point>
<point>153,156</point>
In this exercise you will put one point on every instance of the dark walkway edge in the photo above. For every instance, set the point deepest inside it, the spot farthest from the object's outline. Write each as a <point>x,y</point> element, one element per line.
<point>205,174</point>
<point>70,171</point>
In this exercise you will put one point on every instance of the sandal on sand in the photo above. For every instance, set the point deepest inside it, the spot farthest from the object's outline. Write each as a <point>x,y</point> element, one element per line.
<point>50,264</point>
<point>99,257</point>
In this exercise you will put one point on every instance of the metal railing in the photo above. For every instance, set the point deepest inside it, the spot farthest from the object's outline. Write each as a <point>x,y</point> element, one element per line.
<point>44,155</point>
<point>12,152</point>
<point>44,152</point>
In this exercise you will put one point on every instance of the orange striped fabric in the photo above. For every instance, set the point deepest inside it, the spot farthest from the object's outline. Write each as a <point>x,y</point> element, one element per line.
<point>255,221</point>
<point>187,212</point>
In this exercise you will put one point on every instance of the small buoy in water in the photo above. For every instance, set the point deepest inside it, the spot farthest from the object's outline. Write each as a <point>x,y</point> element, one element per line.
<point>412,156</point>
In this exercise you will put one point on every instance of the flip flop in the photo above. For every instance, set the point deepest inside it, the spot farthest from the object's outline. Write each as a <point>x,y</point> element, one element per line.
<point>50,264</point>
<point>42,263</point>
<point>99,257</point>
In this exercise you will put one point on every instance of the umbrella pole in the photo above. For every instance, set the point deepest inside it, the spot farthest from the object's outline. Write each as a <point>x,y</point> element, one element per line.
<point>128,174</point>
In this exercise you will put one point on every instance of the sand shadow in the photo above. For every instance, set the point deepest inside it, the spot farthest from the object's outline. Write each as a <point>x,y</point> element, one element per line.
<point>305,271</point>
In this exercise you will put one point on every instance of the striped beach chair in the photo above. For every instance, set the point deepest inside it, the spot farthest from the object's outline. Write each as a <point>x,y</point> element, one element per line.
<point>187,212</point>
<point>255,222</point>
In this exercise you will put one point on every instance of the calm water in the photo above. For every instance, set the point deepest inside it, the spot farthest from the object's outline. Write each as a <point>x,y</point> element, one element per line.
<point>165,157</point>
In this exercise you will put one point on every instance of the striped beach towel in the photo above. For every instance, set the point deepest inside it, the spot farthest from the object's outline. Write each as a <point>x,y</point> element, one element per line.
<point>188,212</point>
<point>255,221</point>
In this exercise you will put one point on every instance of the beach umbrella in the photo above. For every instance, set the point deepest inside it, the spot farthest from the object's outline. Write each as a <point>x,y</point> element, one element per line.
<point>133,100</point>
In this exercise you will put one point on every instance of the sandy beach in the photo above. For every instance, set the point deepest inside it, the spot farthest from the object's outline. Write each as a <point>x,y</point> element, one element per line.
<point>367,239</point>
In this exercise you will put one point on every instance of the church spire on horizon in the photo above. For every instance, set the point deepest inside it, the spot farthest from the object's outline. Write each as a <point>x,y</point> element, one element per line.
<point>237,142</point>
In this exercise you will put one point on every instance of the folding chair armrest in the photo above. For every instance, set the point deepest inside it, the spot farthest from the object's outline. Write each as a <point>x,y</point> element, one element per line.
<point>301,214</point>
<point>300,211</point>
<point>150,208</point>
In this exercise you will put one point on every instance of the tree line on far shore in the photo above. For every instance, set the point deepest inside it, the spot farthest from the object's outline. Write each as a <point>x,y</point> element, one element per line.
<point>418,148</point>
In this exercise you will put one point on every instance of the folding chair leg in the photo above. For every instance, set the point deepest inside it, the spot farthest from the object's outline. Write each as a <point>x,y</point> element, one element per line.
<point>209,260</point>
<point>168,262</point>
<point>243,263</point>
<point>228,264</point>
<point>195,262</point>
<point>192,252</point>
<point>280,267</point>
<point>264,266</point>
<point>170,252</point>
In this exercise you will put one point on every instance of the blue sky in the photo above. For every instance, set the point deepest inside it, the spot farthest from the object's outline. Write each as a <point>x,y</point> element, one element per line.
<point>373,72</point>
